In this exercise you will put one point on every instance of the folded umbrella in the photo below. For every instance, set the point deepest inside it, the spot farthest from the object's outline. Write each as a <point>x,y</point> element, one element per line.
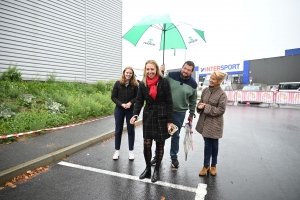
<point>188,142</point>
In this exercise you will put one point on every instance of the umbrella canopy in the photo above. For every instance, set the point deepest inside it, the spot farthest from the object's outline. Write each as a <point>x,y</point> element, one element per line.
<point>188,139</point>
<point>164,32</point>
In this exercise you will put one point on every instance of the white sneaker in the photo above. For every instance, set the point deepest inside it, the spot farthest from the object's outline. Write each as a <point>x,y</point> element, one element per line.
<point>131,155</point>
<point>116,155</point>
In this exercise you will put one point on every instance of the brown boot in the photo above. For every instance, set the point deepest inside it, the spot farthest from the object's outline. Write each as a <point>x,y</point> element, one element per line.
<point>213,171</point>
<point>204,171</point>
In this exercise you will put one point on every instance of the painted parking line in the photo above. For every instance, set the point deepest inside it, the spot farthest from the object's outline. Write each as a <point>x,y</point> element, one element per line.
<point>200,190</point>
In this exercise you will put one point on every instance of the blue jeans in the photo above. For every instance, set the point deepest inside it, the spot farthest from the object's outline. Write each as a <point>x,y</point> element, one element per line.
<point>178,118</point>
<point>211,149</point>
<point>120,113</point>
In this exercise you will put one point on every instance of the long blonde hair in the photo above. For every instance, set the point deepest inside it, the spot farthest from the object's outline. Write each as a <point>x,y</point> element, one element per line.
<point>158,72</point>
<point>133,80</point>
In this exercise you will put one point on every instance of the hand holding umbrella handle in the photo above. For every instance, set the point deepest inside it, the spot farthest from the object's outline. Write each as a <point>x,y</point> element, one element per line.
<point>162,68</point>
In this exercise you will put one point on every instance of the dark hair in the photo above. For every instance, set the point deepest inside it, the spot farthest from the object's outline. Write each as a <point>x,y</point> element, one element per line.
<point>189,63</point>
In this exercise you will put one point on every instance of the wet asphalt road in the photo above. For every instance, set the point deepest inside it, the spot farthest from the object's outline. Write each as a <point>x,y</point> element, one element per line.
<point>259,158</point>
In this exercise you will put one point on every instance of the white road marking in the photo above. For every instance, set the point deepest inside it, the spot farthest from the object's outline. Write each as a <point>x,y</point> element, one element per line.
<point>200,190</point>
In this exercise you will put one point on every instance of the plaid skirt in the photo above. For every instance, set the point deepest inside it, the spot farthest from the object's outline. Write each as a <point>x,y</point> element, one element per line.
<point>155,122</point>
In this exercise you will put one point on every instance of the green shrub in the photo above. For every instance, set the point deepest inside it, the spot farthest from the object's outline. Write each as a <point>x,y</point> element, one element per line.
<point>11,74</point>
<point>51,78</point>
<point>105,86</point>
<point>28,99</point>
<point>5,112</point>
<point>54,107</point>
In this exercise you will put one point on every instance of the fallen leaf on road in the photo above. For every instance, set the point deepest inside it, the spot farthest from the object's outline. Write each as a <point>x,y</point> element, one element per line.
<point>26,176</point>
<point>10,184</point>
<point>112,137</point>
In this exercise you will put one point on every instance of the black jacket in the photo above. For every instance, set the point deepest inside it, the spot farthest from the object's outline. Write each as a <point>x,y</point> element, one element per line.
<point>157,113</point>
<point>122,94</point>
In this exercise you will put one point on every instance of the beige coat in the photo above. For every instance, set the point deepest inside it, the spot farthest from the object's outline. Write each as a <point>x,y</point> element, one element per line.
<point>210,123</point>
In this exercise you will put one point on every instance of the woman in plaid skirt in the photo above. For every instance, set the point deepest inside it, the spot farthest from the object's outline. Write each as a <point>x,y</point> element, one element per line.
<point>157,114</point>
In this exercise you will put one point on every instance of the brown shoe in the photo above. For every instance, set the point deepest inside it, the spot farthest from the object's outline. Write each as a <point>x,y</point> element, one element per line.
<point>203,171</point>
<point>213,171</point>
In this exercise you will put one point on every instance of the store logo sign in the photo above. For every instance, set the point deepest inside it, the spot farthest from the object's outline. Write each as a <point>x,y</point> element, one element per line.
<point>225,68</point>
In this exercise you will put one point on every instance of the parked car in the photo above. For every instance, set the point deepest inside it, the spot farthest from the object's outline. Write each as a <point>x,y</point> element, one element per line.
<point>274,88</point>
<point>251,88</point>
<point>200,84</point>
<point>289,87</point>
<point>204,84</point>
<point>227,87</point>
<point>139,74</point>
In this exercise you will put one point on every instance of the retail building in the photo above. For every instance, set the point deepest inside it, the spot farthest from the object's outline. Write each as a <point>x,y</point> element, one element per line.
<point>266,71</point>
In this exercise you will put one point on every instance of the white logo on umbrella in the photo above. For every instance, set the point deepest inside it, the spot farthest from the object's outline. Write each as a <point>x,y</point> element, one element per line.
<point>191,40</point>
<point>149,42</point>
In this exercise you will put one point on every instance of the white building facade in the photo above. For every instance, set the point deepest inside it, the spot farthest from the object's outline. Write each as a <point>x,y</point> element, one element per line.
<point>73,40</point>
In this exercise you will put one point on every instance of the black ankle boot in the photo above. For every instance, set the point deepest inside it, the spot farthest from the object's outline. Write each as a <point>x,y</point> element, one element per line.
<point>155,175</point>
<point>146,173</point>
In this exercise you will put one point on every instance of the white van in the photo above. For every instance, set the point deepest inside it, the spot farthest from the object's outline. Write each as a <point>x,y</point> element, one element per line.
<point>205,83</point>
<point>289,87</point>
<point>139,74</point>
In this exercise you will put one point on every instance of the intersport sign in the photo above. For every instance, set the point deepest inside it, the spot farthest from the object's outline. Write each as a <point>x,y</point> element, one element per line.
<point>225,68</point>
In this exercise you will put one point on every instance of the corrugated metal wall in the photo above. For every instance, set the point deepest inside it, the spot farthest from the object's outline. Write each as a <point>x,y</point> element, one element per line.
<point>75,40</point>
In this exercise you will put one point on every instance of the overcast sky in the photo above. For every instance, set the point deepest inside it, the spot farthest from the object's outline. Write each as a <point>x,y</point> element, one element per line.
<point>235,30</point>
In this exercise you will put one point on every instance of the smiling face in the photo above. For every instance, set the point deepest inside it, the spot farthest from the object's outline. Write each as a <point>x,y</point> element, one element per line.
<point>128,74</point>
<point>151,70</point>
<point>213,81</point>
<point>186,71</point>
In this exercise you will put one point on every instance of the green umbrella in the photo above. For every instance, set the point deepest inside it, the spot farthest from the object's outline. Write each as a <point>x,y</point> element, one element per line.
<point>164,32</point>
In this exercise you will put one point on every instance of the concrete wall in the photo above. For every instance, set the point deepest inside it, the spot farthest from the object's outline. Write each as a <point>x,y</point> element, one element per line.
<point>75,40</point>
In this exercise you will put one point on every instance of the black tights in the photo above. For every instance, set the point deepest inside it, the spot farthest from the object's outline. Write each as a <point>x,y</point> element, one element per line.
<point>148,152</point>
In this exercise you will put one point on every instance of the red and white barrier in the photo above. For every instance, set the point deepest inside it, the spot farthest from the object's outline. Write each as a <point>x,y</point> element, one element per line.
<point>288,98</point>
<point>230,95</point>
<point>264,97</point>
<point>255,96</point>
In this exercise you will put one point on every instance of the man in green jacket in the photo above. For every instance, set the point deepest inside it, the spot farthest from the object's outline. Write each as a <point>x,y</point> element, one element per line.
<point>184,95</point>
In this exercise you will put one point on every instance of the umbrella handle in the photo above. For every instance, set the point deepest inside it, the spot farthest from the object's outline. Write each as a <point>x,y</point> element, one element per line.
<point>164,32</point>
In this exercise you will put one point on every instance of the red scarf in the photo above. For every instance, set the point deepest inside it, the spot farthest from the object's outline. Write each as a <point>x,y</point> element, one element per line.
<point>152,84</point>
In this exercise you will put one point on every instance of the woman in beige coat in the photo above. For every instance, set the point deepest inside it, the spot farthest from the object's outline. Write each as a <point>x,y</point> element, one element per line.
<point>211,108</point>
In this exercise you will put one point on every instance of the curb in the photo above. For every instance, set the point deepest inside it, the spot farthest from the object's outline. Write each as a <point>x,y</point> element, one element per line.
<point>9,174</point>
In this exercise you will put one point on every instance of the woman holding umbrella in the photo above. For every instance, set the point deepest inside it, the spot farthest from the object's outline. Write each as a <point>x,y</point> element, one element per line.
<point>211,108</point>
<point>157,115</point>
